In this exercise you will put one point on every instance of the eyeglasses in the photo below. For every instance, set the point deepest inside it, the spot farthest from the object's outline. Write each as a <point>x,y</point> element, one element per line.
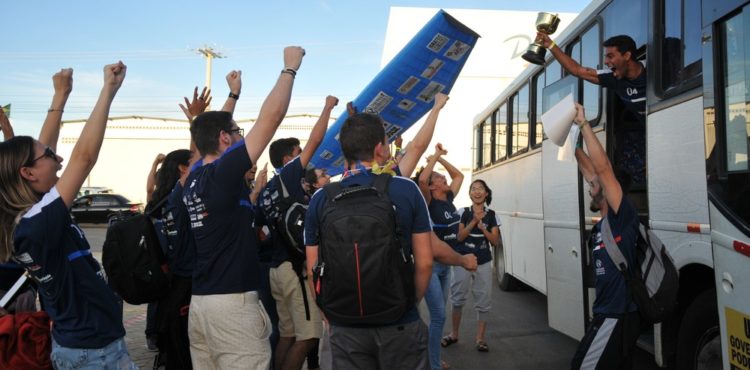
<point>48,152</point>
<point>238,131</point>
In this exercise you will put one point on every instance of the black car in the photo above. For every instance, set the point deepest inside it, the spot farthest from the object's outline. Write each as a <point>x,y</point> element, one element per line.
<point>101,208</point>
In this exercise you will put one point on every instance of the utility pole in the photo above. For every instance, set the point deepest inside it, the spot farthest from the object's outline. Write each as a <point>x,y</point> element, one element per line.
<point>209,53</point>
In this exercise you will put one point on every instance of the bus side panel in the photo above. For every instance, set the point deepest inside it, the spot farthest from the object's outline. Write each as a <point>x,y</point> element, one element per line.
<point>517,198</point>
<point>732,276</point>
<point>677,181</point>
<point>565,303</point>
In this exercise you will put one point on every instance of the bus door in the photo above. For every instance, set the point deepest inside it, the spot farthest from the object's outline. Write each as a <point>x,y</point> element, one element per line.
<point>726,48</point>
<point>562,229</point>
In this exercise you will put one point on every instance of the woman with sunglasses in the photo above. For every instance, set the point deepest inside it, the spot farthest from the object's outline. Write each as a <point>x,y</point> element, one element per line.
<point>38,233</point>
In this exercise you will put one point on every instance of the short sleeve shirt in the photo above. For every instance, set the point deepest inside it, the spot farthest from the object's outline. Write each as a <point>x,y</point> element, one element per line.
<point>445,219</point>
<point>631,92</point>
<point>611,288</point>
<point>411,214</point>
<point>226,255</point>
<point>291,174</point>
<point>72,284</point>
<point>476,243</point>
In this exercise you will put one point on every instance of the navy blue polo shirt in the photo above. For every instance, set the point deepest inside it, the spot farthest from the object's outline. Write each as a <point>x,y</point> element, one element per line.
<point>226,254</point>
<point>411,214</point>
<point>445,219</point>
<point>631,92</point>
<point>476,243</point>
<point>181,244</point>
<point>72,284</point>
<point>611,289</point>
<point>292,174</point>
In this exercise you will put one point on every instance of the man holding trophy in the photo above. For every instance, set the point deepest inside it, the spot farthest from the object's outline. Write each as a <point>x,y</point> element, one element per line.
<point>625,75</point>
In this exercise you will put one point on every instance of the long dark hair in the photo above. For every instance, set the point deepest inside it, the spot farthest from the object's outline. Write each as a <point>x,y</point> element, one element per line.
<point>168,174</point>
<point>488,199</point>
<point>16,195</point>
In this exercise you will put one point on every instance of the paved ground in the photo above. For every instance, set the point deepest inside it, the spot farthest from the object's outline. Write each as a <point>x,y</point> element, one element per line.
<point>517,333</point>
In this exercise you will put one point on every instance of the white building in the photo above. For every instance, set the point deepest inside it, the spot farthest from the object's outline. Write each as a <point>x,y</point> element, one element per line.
<point>131,143</point>
<point>493,64</point>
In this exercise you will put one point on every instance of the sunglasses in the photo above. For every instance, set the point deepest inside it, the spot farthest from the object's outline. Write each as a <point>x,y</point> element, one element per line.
<point>48,152</point>
<point>238,131</point>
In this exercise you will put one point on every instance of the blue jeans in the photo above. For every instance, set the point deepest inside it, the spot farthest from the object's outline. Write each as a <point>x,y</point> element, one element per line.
<point>112,356</point>
<point>435,296</point>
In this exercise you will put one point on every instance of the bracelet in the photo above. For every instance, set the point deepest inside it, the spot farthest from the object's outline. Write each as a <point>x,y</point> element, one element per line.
<point>290,71</point>
<point>54,110</point>
<point>234,96</point>
<point>552,45</point>
<point>582,124</point>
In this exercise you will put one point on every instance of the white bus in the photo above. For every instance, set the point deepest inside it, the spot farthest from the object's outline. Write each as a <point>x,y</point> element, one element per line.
<point>689,163</point>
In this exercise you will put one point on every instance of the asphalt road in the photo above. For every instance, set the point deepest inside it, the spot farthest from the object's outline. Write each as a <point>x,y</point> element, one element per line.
<point>517,331</point>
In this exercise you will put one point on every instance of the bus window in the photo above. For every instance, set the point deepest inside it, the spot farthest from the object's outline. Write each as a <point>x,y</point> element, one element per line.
<point>627,17</point>
<point>486,143</point>
<point>501,133</point>
<point>591,51</point>
<point>520,121</point>
<point>538,83</point>
<point>732,185</point>
<point>681,45</point>
<point>553,72</point>
<point>575,54</point>
<point>478,149</point>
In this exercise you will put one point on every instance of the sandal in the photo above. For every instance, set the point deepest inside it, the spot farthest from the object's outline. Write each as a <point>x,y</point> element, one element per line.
<point>482,346</point>
<point>444,365</point>
<point>447,341</point>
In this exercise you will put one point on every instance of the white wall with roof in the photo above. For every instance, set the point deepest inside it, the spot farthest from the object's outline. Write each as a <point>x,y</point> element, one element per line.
<point>131,144</point>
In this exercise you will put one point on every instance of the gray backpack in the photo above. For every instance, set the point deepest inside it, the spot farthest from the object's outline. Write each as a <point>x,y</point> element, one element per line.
<point>654,283</point>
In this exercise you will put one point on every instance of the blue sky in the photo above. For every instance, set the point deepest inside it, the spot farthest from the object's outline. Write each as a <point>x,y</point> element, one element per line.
<point>343,39</point>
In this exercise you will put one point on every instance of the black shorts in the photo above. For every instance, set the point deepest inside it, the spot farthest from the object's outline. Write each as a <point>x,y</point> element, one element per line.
<point>608,343</point>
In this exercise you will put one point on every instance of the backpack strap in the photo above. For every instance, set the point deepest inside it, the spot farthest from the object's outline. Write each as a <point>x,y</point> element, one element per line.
<point>332,190</point>
<point>381,182</point>
<point>284,192</point>
<point>157,205</point>
<point>613,250</point>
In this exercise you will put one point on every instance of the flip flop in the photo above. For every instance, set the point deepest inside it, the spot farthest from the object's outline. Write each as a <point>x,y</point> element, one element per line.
<point>444,365</point>
<point>482,346</point>
<point>447,341</point>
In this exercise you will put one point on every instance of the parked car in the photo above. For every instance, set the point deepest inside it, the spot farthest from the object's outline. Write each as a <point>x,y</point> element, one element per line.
<point>86,190</point>
<point>101,208</point>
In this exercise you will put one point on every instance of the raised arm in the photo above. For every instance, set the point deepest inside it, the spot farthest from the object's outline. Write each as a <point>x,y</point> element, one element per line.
<point>86,151</point>
<point>570,65</point>
<point>416,148</point>
<point>602,166</point>
<point>457,177</point>
<point>198,105</point>
<point>275,106</point>
<point>151,178</point>
<point>261,179</point>
<point>234,80</point>
<point>424,177</point>
<point>5,126</point>
<point>318,131</point>
<point>63,83</point>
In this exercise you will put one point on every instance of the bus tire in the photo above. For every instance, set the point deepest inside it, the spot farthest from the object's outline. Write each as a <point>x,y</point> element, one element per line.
<point>505,281</point>
<point>699,338</point>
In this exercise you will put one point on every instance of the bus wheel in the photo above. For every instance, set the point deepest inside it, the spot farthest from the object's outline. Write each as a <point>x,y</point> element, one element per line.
<point>506,282</point>
<point>699,340</point>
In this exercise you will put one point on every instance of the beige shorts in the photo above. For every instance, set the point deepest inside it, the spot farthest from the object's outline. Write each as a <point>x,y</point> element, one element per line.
<point>290,305</point>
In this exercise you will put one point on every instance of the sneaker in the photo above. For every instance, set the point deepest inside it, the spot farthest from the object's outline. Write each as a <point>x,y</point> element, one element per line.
<point>151,344</point>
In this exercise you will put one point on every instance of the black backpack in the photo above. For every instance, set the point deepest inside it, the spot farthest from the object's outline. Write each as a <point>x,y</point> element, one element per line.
<point>364,274</point>
<point>654,284</point>
<point>134,261</point>
<point>290,223</point>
